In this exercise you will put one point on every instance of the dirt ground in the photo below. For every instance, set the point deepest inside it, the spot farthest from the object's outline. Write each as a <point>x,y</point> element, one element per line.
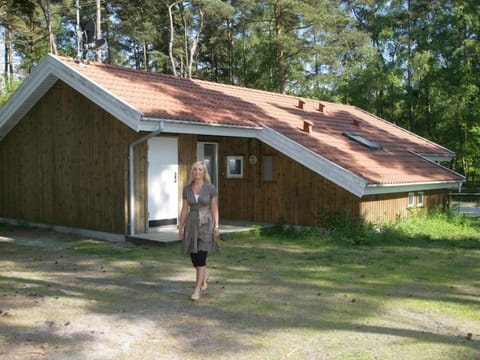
<point>63,297</point>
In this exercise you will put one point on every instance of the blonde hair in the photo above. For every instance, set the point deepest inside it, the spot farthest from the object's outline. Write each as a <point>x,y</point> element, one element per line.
<point>206,175</point>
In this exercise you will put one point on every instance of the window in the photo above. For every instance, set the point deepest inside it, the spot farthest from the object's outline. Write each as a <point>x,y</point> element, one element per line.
<point>411,199</point>
<point>268,168</point>
<point>208,153</point>
<point>361,140</point>
<point>235,167</point>
<point>420,199</point>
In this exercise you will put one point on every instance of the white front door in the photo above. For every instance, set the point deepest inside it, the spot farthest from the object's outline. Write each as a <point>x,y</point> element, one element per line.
<point>162,181</point>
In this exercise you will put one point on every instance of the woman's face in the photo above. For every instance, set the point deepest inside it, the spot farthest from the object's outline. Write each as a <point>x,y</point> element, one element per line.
<point>198,172</point>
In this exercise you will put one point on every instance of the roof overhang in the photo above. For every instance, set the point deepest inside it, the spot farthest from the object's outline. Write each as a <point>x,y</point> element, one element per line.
<point>198,128</point>
<point>320,165</point>
<point>44,76</point>
<point>315,162</point>
<point>437,157</point>
<point>423,186</point>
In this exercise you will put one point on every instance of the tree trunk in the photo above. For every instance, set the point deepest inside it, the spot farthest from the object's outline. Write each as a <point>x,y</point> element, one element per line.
<point>8,58</point>
<point>411,113</point>
<point>51,36</point>
<point>196,40</point>
<point>277,10</point>
<point>98,54</point>
<point>172,38</point>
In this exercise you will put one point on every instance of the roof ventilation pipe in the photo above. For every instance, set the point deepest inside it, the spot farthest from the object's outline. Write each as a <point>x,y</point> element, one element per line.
<point>300,104</point>
<point>132,175</point>
<point>321,107</point>
<point>307,126</point>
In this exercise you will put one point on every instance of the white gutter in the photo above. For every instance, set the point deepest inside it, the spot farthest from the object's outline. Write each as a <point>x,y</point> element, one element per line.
<point>376,189</point>
<point>132,177</point>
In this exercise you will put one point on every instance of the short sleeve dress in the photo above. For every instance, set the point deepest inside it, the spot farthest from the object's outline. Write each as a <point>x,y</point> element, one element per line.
<point>199,225</point>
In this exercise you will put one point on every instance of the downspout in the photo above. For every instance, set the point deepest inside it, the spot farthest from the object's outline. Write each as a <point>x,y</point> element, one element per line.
<point>132,177</point>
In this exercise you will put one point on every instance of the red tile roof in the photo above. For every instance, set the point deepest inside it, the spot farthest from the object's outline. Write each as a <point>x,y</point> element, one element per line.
<point>169,97</point>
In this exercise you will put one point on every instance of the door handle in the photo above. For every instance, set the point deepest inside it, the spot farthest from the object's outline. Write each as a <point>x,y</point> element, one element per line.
<point>175,177</point>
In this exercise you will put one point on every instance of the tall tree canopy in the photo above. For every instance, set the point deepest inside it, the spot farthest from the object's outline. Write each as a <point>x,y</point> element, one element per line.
<point>414,63</point>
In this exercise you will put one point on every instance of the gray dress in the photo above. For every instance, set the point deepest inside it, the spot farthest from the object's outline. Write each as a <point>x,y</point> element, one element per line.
<point>199,225</point>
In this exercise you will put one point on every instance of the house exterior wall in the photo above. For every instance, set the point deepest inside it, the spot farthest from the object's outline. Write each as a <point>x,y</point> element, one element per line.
<point>66,163</point>
<point>296,194</point>
<point>391,207</point>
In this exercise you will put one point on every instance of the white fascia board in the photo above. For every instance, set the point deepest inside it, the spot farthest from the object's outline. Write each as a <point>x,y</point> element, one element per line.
<point>315,162</point>
<point>43,77</point>
<point>22,100</point>
<point>426,158</point>
<point>197,128</point>
<point>436,157</point>
<point>98,95</point>
<point>388,188</point>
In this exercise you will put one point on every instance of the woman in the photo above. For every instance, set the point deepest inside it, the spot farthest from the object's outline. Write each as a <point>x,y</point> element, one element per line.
<point>198,224</point>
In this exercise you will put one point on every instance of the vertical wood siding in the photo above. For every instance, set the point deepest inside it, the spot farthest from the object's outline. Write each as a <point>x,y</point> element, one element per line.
<point>296,195</point>
<point>392,207</point>
<point>66,163</point>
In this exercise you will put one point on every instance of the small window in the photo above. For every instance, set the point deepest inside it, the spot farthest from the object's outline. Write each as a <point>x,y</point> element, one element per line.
<point>411,199</point>
<point>361,140</point>
<point>420,199</point>
<point>235,167</point>
<point>268,168</point>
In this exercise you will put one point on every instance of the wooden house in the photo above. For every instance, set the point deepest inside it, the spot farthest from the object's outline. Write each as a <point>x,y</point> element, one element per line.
<point>107,149</point>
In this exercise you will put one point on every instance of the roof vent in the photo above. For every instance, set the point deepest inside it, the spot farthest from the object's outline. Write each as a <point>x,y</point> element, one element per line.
<point>321,107</point>
<point>307,126</point>
<point>356,122</point>
<point>300,104</point>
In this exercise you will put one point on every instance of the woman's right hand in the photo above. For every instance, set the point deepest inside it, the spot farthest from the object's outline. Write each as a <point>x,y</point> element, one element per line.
<point>180,234</point>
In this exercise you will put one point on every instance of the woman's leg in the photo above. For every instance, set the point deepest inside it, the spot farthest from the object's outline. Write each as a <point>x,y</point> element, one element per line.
<point>201,271</point>
<point>199,260</point>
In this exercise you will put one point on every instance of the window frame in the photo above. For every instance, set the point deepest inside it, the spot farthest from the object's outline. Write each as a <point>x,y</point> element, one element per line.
<point>234,175</point>
<point>411,200</point>
<point>420,199</point>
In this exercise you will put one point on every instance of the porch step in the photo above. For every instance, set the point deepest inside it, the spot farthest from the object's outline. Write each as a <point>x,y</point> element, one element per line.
<point>168,234</point>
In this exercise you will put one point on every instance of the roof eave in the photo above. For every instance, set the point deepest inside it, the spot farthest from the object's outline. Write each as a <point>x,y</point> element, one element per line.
<point>315,162</point>
<point>43,77</point>
<point>198,128</point>
<point>118,108</point>
<point>437,157</point>
<point>377,189</point>
<point>22,100</point>
<point>320,165</point>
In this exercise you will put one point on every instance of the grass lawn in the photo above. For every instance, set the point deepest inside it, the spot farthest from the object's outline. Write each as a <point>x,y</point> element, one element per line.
<point>410,291</point>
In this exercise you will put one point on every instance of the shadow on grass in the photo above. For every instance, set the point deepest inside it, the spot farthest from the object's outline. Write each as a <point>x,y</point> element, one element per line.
<point>262,284</point>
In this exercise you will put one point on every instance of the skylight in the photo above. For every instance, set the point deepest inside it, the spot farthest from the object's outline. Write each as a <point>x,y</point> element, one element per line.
<point>361,140</point>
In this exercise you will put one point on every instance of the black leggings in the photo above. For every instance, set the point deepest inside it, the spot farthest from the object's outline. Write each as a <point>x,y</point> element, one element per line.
<point>199,258</point>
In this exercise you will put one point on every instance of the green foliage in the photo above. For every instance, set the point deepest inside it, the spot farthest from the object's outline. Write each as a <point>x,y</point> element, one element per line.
<point>435,228</point>
<point>8,92</point>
